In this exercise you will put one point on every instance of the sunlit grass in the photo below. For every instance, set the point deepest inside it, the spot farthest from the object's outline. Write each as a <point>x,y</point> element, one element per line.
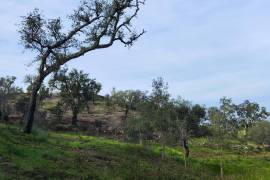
<point>71,156</point>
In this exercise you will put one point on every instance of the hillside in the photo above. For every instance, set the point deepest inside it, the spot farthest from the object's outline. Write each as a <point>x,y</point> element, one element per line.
<point>50,155</point>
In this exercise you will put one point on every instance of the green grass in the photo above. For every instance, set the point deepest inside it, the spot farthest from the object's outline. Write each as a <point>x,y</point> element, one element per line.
<point>69,156</point>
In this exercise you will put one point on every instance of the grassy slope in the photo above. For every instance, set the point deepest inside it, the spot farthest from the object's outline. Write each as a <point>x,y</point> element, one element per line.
<point>67,156</point>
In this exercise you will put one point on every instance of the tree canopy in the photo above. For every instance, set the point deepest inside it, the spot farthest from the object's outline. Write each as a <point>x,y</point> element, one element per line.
<point>95,24</point>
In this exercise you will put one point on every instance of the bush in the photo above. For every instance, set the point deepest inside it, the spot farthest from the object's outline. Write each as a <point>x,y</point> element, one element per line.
<point>40,135</point>
<point>260,133</point>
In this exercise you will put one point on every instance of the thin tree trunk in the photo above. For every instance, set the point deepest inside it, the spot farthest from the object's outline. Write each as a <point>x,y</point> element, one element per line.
<point>93,98</point>
<point>221,164</point>
<point>186,149</point>
<point>221,170</point>
<point>140,140</point>
<point>88,108</point>
<point>126,113</point>
<point>2,110</point>
<point>163,151</point>
<point>75,118</point>
<point>246,130</point>
<point>185,146</point>
<point>32,108</point>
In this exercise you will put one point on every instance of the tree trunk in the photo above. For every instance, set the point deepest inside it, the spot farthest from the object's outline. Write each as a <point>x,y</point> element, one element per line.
<point>186,149</point>
<point>221,170</point>
<point>1,111</point>
<point>185,146</point>
<point>88,108</point>
<point>75,118</point>
<point>32,107</point>
<point>126,113</point>
<point>246,130</point>
<point>93,98</point>
<point>221,163</point>
<point>140,138</point>
<point>163,151</point>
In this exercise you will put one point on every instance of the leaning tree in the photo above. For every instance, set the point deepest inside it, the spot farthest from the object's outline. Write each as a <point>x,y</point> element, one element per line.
<point>95,24</point>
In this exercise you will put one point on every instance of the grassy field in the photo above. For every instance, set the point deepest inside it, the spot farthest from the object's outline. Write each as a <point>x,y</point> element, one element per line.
<point>52,155</point>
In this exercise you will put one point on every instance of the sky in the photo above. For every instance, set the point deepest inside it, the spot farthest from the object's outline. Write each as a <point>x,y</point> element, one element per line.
<point>204,49</point>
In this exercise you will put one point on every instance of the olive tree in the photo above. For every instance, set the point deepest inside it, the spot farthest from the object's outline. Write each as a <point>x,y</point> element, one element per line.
<point>229,113</point>
<point>260,133</point>
<point>95,24</point>
<point>7,91</point>
<point>43,92</point>
<point>139,126</point>
<point>250,113</point>
<point>74,89</point>
<point>129,100</point>
<point>95,88</point>
<point>219,130</point>
<point>160,110</point>
<point>186,121</point>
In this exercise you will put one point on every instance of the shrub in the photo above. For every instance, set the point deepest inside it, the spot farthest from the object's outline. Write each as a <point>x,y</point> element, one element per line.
<point>260,133</point>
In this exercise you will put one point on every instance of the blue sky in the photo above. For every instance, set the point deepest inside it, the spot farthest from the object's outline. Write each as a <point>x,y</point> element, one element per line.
<point>204,49</point>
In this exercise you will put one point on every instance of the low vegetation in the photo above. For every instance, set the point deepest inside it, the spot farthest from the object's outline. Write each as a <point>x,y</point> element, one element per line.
<point>137,135</point>
<point>50,155</point>
<point>64,129</point>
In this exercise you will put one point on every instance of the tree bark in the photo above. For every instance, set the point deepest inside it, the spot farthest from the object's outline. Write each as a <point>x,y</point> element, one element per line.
<point>186,149</point>
<point>93,98</point>
<point>33,99</point>
<point>185,146</point>
<point>126,113</point>
<point>2,110</point>
<point>74,118</point>
<point>185,142</point>
<point>221,170</point>
<point>140,138</point>
<point>3,102</point>
<point>32,107</point>
<point>163,152</point>
<point>220,149</point>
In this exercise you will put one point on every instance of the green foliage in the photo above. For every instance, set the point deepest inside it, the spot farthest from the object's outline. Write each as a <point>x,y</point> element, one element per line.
<point>43,92</point>
<point>188,117</point>
<point>129,100</point>
<point>76,89</point>
<point>95,88</point>
<point>228,112</point>
<point>21,103</point>
<point>40,135</point>
<point>93,25</point>
<point>160,107</point>
<point>57,113</point>
<point>260,133</point>
<point>2,175</point>
<point>250,112</point>
<point>235,120</point>
<point>70,156</point>
<point>8,90</point>
<point>137,129</point>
